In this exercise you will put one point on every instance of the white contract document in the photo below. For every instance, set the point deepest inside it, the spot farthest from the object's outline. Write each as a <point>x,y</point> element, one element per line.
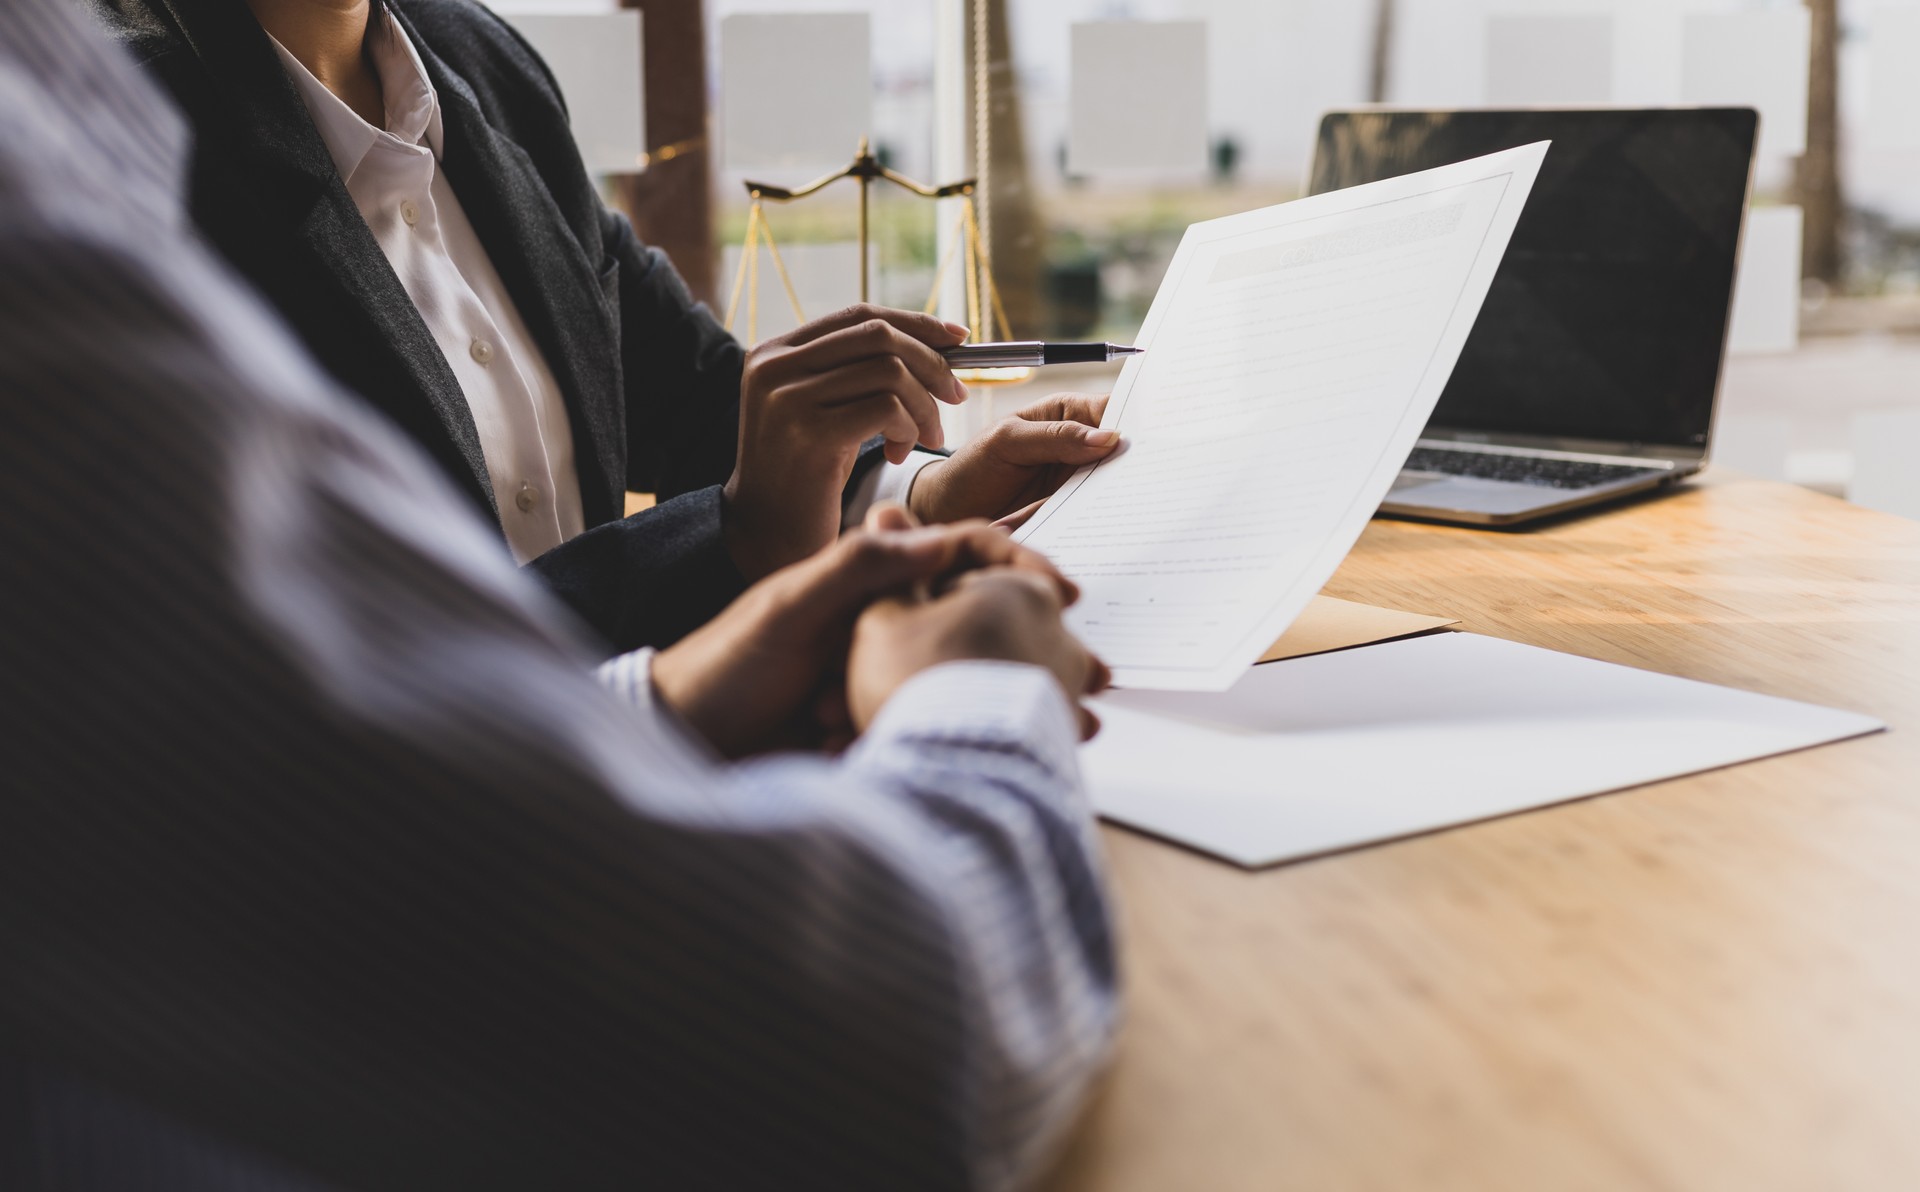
<point>1339,750</point>
<point>1293,356</point>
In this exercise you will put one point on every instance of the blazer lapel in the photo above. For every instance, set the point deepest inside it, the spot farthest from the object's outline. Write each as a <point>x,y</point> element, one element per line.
<point>553,283</point>
<point>310,201</point>
<point>334,230</point>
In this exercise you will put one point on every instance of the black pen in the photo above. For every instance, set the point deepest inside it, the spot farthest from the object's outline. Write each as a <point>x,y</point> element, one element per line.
<point>1033,354</point>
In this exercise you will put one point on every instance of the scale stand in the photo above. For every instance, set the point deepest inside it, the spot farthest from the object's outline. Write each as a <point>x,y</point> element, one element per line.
<point>865,169</point>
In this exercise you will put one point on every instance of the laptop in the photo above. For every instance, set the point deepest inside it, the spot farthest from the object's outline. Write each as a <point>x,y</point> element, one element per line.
<point>1594,369</point>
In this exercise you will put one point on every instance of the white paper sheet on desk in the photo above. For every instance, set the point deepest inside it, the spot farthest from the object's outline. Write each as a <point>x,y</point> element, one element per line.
<point>1293,356</point>
<point>1326,753</point>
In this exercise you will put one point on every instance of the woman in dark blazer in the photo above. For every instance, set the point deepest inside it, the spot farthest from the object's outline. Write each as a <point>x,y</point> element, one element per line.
<point>750,456</point>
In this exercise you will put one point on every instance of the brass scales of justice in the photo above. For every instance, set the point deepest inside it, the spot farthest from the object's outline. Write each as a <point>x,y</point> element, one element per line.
<point>865,170</point>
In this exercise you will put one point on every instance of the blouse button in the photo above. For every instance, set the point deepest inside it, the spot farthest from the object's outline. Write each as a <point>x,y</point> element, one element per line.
<point>482,351</point>
<point>527,498</point>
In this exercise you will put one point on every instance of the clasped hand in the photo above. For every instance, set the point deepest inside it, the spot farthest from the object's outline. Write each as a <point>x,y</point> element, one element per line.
<point>807,657</point>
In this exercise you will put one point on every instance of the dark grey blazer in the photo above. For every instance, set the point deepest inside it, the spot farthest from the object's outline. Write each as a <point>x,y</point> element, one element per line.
<point>651,380</point>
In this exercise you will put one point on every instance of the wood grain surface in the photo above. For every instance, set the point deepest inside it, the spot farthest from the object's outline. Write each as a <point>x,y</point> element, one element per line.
<point>1712,983</point>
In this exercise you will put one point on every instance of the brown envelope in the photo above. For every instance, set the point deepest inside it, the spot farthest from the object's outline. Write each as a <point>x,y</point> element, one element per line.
<point>1330,625</point>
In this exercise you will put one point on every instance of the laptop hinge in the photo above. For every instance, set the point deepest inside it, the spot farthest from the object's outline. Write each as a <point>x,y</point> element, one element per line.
<point>1586,457</point>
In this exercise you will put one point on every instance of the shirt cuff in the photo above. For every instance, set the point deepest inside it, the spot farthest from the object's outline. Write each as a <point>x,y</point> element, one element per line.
<point>629,678</point>
<point>995,708</point>
<point>888,482</point>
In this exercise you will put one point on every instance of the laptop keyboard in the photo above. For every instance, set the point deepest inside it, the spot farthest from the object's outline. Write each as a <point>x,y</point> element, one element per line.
<point>1522,469</point>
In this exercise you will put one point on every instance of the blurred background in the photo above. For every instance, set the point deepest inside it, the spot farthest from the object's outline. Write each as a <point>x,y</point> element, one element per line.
<point>1110,125</point>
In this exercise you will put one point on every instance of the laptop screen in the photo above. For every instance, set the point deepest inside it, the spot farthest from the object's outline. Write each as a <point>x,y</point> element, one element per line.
<point>1608,317</point>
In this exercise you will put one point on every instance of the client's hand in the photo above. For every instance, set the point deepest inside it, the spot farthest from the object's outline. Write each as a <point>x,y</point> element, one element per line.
<point>767,673</point>
<point>808,400</point>
<point>1003,613</point>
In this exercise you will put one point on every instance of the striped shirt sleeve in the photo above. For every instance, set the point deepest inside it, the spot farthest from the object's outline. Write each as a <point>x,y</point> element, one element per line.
<point>321,843</point>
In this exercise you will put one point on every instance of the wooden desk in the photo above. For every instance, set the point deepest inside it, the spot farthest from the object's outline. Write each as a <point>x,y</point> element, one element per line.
<point>1708,984</point>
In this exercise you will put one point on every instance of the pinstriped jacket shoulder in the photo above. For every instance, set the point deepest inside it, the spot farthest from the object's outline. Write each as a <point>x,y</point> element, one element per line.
<point>325,863</point>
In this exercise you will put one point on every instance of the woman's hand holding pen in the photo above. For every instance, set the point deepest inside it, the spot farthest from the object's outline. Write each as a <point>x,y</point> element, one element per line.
<point>808,400</point>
